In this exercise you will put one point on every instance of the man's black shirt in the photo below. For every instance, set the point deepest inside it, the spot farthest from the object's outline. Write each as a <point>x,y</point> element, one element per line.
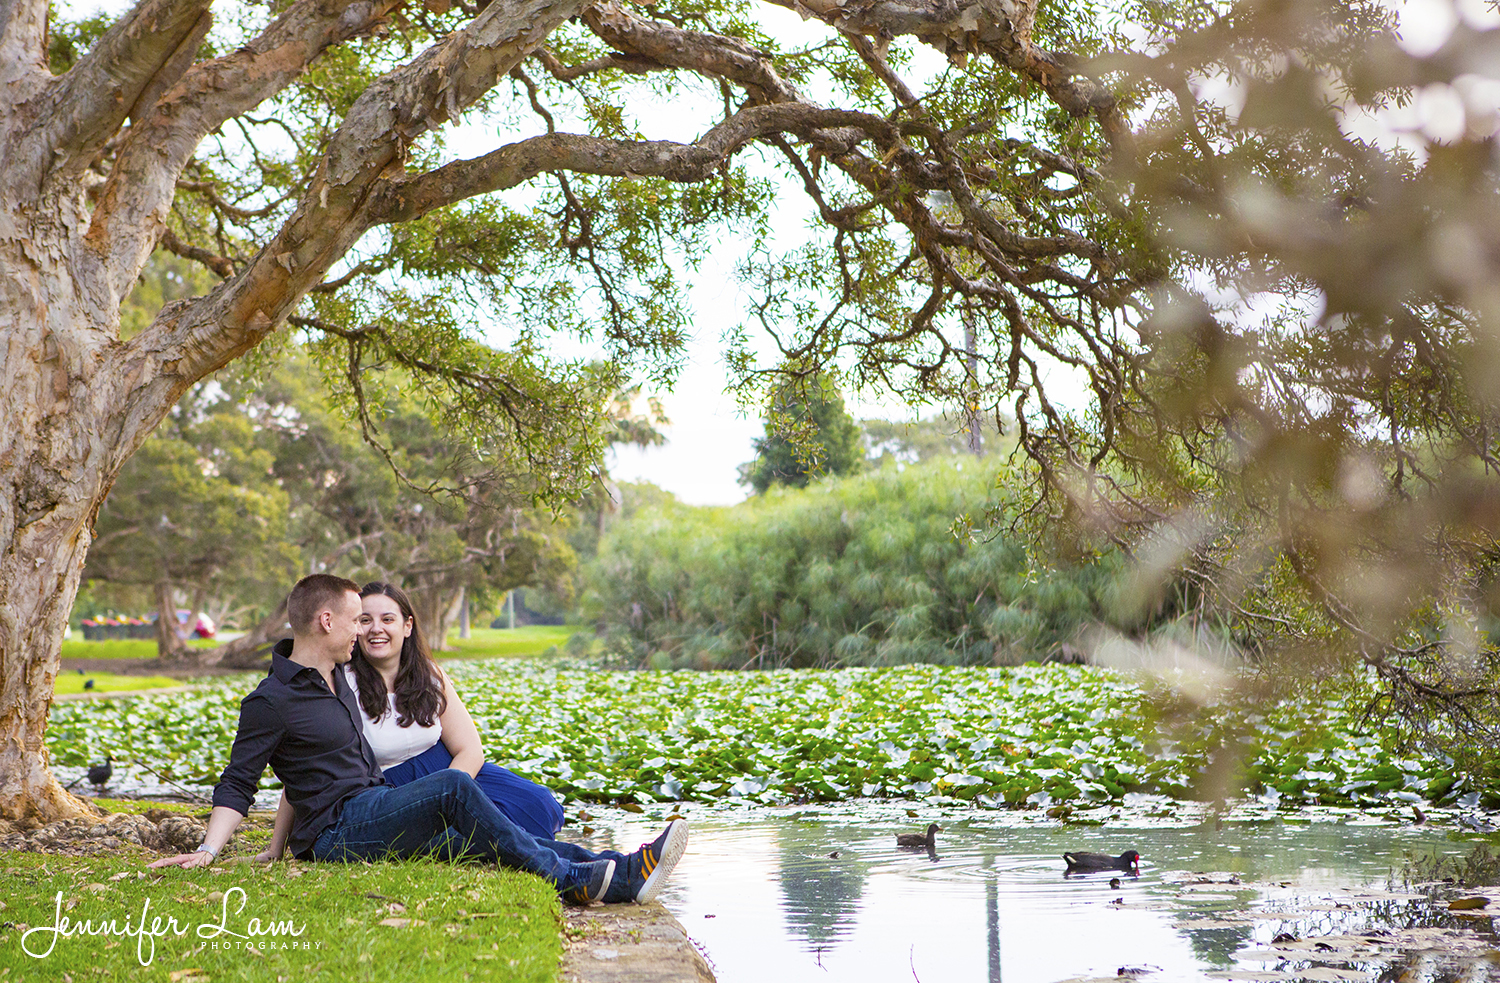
<point>313,740</point>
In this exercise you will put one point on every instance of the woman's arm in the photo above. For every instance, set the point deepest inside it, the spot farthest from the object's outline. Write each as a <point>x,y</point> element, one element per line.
<point>460,736</point>
<point>279,832</point>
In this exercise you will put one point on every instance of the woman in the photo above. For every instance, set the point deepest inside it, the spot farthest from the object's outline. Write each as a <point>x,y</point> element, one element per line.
<point>416,723</point>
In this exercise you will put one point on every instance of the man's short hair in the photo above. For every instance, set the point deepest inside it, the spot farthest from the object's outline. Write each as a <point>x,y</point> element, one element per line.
<point>312,595</point>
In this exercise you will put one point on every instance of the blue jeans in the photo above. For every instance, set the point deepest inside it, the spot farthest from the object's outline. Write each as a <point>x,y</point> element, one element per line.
<point>525,803</point>
<point>445,814</point>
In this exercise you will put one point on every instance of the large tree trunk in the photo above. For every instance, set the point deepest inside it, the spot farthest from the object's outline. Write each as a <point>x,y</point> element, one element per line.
<point>434,609</point>
<point>59,452</point>
<point>78,399</point>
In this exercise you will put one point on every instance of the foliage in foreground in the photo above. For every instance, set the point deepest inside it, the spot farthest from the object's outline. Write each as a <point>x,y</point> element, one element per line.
<point>1031,735</point>
<point>435,921</point>
<point>863,571</point>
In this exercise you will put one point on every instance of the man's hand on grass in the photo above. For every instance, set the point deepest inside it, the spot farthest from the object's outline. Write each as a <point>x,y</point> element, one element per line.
<point>200,858</point>
<point>267,856</point>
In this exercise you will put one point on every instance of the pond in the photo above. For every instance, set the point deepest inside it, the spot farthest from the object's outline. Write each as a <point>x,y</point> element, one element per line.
<point>823,893</point>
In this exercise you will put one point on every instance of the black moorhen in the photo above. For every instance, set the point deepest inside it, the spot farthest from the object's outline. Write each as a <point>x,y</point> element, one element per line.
<point>88,684</point>
<point>919,841</point>
<point>1088,863</point>
<point>99,774</point>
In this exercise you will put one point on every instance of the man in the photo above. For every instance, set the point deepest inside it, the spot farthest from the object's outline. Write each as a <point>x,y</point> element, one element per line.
<point>305,721</point>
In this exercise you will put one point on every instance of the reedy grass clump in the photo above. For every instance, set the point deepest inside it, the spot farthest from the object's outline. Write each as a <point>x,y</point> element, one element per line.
<point>864,571</point>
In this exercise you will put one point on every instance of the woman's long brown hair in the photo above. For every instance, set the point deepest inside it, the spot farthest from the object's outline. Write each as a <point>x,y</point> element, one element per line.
<point>419,689</point>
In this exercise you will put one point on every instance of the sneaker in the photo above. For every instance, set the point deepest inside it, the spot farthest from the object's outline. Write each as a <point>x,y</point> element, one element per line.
<point>646,869</point>
<point>599,873</point>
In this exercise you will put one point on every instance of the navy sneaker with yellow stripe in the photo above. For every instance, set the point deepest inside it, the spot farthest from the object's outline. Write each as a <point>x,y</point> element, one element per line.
<point>646,870</point>
<point>597,877</point>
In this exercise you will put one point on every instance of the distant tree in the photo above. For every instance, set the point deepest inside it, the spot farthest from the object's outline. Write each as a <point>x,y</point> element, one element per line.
<point>939,436</point>
<point>196,512</point>
<point>808,433</point>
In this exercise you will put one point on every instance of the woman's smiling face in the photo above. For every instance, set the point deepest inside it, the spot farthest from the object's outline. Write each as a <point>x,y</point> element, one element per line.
<point>385,628</point>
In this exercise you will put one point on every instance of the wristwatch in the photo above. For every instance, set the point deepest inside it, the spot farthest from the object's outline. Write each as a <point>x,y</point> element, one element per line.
<point>205,848</point>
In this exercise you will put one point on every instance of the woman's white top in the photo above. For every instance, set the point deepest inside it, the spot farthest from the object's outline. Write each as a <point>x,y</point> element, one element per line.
<point>392,743</point>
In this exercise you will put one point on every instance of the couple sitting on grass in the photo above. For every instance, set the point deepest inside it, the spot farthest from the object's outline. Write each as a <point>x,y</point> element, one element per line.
<point>328,720</point>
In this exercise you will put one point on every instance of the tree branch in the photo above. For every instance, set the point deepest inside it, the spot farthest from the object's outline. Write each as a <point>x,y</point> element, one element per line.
<point>632,64</point>
<point>410,198</point>
<point>999,28</point>
<point>137,58</point>
<point>133,204</point>
<point>218,264</point>
<point>706,54</point>
<point>187,341</point>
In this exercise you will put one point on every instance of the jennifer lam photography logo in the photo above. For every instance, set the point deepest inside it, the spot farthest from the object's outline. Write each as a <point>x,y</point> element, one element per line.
<point>223,935</point>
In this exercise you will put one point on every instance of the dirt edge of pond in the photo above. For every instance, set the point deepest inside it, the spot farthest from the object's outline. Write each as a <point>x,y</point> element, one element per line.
<point>629,943</point>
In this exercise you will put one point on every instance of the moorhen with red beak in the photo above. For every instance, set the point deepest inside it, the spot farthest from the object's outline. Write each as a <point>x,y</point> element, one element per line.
<point>1089,863</point>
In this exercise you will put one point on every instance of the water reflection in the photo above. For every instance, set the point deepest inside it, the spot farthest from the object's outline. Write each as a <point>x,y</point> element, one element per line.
<point>821,887</point>
<point>825,894</point>
<point>992,917</point>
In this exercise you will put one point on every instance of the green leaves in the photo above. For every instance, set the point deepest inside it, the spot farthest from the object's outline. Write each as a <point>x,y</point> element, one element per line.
<point>1033,735</point>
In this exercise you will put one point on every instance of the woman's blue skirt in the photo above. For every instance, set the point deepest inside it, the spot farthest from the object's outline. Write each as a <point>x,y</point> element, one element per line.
<point>525,803</point>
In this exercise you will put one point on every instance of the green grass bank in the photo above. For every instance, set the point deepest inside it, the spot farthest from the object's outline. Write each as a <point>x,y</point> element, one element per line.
<point>243,921</point>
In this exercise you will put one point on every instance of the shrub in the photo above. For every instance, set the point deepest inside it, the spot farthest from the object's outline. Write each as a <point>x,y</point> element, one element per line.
<point>860,571</point>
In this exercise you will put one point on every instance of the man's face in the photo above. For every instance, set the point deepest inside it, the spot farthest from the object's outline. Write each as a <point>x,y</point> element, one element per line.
<point>347,626</point>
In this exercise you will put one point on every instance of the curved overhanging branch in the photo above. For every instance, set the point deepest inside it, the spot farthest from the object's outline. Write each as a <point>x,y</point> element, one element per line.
<point>410,198</point>
<point>188,341</point>
<point>132,207</point>
<point>700,52</point>
<point>999,28</point>
<point>1019,269</point>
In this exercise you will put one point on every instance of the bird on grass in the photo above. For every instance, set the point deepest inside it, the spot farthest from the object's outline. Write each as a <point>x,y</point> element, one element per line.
<point>100,774</point>
<point>1089,863</point>
<point>919,840</point>
<point>88,684</point>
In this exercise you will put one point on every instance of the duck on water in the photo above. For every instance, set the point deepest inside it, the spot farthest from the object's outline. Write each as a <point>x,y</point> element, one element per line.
<point>1092,863</point>
<point>919,841</point>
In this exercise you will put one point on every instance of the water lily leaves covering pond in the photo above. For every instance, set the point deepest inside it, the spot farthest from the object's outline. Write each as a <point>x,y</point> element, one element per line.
<point>1032,735</point>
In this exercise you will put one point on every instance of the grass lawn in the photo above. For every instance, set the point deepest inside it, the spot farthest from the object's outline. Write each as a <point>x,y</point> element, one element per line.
<point>122,648</point>
<point>104,682</point>
<point>406,920</point>
<point>141,805</point>
<point>487,643</point>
